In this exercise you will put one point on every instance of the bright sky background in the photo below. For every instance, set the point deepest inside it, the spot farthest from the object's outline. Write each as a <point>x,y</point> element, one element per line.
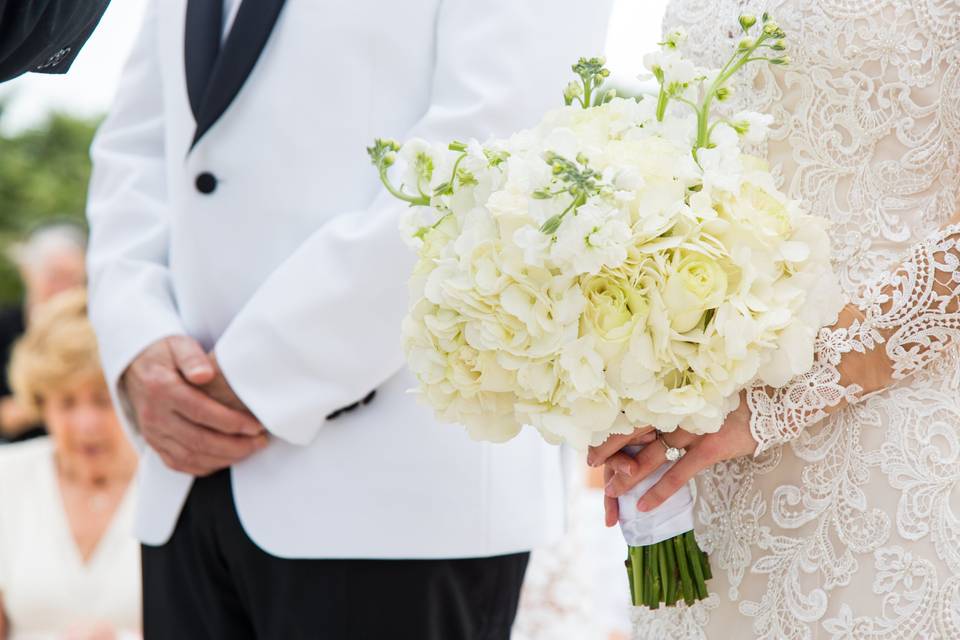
<point>89,88</point>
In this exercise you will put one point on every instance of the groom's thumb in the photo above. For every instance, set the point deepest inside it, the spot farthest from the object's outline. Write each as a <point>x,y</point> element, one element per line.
<point>191,360</point>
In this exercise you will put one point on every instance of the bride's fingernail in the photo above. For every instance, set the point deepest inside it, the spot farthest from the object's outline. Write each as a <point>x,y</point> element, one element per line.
<point>642,505</point>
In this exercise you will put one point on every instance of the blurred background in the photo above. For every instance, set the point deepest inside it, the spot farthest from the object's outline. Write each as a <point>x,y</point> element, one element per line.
<point>575,590</point>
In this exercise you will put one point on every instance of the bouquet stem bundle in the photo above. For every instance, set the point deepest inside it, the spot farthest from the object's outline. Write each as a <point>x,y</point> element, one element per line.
<point>667,572</point>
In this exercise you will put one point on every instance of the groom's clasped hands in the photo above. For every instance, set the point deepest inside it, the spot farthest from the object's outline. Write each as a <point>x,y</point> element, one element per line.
<point>186,410</point>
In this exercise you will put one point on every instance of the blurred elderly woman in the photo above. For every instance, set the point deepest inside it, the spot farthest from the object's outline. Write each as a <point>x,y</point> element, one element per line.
<point>69,566</point>
<point>50,260</point>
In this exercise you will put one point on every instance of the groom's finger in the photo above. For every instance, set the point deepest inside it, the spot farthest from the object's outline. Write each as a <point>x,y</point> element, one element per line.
<point>213,444</point>
<point>197,450</point>
<point>191,360</point>
<point>200,408</point>
<point>673,480</point>
<point>179,458</point>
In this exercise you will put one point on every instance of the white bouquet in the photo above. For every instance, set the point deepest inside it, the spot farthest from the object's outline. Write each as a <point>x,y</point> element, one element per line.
<point>622,263</point>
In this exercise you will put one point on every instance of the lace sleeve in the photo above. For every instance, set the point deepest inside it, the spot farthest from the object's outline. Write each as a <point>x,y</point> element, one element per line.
<point>912,315</point>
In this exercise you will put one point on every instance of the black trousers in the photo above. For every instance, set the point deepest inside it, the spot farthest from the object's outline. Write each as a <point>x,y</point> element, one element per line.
<point>211,582</point>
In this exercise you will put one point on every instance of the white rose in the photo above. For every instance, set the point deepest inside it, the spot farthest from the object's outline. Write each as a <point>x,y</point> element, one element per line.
<point>613,309</point>
<point>694,285</point>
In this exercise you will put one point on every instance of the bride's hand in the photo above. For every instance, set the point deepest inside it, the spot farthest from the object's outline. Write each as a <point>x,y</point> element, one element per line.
<point>622,472</point>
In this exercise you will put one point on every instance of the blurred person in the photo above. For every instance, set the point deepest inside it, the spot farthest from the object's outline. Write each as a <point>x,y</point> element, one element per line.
<point>234,213</point>
<point>44,36</point>
<point>50,260</point>
<point>69,564</point>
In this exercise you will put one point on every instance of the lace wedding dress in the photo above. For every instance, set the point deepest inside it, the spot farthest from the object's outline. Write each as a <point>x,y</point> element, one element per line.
<point>851,529</point>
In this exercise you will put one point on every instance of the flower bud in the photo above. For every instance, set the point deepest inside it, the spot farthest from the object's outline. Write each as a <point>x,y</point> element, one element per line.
<point>773,30</point>
<point>746,43</point>
<point>573,90</point>
<point>747,21</point>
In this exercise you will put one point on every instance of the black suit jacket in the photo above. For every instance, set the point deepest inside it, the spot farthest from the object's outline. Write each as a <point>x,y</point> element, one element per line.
<point>44,36</point>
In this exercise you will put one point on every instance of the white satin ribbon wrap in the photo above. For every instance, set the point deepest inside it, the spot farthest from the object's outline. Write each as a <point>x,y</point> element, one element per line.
<point>673,517</point>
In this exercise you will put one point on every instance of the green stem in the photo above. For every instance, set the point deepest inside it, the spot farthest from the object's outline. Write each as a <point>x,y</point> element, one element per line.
<point>694,557</point>
<point>648,593</point>
<point>636,555</point>
<point>733,65</point>
<point>686,585</point>
<point>672,594</point>
<point>664,572</point>
<point>662,101</point>
<point>422,201</point>
<point>705,562</point>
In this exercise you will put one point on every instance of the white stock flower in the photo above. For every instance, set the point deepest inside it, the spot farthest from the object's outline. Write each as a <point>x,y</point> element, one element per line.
<point>753,126</point>
<point>534,243</point>
<point>593,237</point>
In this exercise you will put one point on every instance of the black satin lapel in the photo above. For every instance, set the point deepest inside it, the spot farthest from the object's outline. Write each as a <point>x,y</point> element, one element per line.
<point>201,45</point>
<point>249,34</point>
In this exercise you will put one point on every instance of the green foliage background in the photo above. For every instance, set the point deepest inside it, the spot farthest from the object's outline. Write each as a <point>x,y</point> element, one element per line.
<point>43,176</point>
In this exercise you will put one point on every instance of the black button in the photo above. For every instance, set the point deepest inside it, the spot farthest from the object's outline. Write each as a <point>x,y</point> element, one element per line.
<point>206,183</point>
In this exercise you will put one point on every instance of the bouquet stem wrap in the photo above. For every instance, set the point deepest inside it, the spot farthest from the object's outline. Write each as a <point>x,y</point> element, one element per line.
<point>664,563</point>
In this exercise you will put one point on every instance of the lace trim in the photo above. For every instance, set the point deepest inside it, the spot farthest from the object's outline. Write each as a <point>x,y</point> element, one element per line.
<point>915,312</point>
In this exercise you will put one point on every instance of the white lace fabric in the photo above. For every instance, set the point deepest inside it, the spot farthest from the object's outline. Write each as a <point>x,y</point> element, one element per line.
<point>851,528</point>
<point>910,317</point>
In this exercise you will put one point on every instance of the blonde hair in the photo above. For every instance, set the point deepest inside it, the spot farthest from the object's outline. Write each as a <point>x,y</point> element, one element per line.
<point>58,350</point>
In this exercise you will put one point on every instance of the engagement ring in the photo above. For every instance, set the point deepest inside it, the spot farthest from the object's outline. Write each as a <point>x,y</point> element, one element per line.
<point>673,453</point>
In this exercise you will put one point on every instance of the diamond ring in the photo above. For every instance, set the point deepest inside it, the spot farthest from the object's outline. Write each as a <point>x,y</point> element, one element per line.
<point>672,453</point>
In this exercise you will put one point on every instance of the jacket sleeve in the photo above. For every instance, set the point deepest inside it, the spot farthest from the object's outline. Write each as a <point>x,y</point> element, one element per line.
<point>131,299</point>
<point>45,35</point>
<point>324,329</point>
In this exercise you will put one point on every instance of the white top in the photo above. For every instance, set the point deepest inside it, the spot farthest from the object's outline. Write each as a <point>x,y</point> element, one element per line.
<point>46,586</point>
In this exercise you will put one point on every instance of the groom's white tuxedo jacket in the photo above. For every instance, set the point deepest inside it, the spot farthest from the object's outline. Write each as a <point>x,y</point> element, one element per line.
<point>269,240</point>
